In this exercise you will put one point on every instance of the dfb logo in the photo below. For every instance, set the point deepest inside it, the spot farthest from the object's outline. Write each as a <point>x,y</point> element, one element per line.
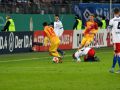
<point>11,42</point>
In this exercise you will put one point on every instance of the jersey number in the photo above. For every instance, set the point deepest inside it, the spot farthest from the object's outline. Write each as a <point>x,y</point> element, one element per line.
<point>118,27</point>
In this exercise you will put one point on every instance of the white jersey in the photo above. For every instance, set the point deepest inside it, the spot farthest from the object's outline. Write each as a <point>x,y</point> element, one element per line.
<point>58,28</point>
<point>82,52</point>
<point>115,24</point>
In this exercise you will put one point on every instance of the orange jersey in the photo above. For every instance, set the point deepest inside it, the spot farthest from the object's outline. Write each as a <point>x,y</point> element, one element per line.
<point>91,27</point>
<point>49,32</point>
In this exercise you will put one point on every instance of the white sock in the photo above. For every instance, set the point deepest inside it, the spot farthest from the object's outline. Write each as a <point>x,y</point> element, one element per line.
<point>78,59</point>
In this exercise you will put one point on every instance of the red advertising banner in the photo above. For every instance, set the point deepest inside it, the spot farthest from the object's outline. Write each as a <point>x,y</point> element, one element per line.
<point>66,40</point>
<point>109,39</point>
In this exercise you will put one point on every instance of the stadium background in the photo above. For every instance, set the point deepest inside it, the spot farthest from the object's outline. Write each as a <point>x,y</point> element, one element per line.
<point>43,10</point>
<point>29,16</point>
<point>35,70</point>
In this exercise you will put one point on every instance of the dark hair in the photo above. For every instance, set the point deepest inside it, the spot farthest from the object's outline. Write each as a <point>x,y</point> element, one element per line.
<point>52,23</point>
<point>45,24</point>
<point>77,17</point>
<point>56,15</point>
<point>116,10</point>
<point>103,17</point>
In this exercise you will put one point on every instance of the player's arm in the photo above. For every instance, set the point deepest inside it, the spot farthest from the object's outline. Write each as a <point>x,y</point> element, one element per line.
<point>109,27</point>
<point>6,26</point>
<point>46,39</point>
<point>87,28</point>
<point>94,29</point>
<point>85,31</point>
<point>61,28</point>
<point>60,25</point>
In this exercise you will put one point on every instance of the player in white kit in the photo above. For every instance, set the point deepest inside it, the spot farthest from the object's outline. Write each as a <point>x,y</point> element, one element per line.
<point>58,28</point>
<point>115,25</point>
<point>88,53</point>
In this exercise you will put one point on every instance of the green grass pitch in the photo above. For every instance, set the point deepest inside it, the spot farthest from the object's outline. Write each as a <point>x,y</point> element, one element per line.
<point>35,71</point>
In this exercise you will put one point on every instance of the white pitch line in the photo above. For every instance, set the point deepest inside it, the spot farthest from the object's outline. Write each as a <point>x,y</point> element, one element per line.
<point>20,60</point>
<point>28,59</point>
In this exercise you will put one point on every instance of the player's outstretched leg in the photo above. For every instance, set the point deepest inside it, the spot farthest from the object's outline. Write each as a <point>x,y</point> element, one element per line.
<point>61,52</point>
<point>118,63</point>
<point>114,63</point>
<point>76,55</point>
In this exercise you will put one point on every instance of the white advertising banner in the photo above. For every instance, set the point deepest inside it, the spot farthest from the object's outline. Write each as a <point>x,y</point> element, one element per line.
<point>101,39</point>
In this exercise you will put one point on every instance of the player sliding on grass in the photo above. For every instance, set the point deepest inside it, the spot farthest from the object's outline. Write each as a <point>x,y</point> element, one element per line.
<point>115,25</point>
<point>90,30</point>
<point>49,35</point>
<point>88,53</point>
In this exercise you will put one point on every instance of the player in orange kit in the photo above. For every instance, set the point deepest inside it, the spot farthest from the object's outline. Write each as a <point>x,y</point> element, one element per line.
<point>50,35</point>
<point>89,32</point>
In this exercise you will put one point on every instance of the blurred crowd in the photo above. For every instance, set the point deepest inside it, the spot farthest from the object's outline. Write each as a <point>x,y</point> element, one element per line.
<point>34,6</point>
<point>58,1</point>
<point>42,6</point>
<point>36,1</point>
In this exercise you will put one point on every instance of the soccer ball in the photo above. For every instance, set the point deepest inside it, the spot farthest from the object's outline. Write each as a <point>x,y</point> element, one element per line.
<point>55,59</point>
